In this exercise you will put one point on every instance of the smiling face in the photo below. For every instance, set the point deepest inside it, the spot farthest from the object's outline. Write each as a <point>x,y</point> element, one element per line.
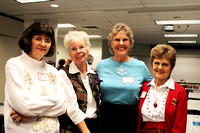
<point>161,69</point>
<point>78,51</point>
<point>120,44</point>
<point>40,46</point>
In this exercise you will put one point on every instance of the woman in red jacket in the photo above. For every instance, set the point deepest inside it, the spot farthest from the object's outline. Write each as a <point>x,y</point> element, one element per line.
<point>163,103</point>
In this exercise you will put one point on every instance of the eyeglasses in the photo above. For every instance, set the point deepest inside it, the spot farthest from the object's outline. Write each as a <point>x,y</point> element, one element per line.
<point>79,48</point>
<point>164,65</point>
<point>40,40</point>
<point>124,40</point>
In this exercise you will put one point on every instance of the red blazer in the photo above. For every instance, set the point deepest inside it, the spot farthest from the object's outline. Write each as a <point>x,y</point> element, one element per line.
<point>175,109</point>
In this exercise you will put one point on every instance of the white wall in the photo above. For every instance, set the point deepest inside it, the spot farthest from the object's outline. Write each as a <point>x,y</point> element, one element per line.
<point>10,27</point>
<point>187,65</point>
<point>186,68</point>
<point>10,31</point>
<point>61,52</point>
<point>96,51</point>
<point>8,49</point>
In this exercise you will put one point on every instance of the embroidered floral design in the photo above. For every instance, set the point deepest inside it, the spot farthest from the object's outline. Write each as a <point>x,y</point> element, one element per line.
<point>52,78</point>
<point>121,70</point>
<point>28,80</point>
<point>96,80</point>
<point>46,124</point>
<point>43,90</point>
<point>95,83</point>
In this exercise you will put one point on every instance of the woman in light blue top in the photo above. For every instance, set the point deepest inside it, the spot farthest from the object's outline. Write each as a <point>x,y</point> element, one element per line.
<point>122,78</point>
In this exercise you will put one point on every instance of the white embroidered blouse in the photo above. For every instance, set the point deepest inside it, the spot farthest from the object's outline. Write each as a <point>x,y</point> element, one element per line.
<point>156,114</point>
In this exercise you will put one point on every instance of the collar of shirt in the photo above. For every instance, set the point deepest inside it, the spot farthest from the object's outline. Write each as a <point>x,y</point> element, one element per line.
<point>31,60</point>
<point>168,84</point>
<point>74,69</point>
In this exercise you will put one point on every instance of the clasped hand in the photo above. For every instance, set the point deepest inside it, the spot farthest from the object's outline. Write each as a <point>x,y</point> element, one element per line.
<point>17,117</point>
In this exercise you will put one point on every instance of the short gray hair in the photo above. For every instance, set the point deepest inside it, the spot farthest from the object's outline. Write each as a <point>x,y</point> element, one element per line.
<point>76,35</point>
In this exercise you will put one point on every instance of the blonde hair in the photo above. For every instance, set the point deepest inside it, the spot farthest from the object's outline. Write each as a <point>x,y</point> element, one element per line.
<point>117,28</point>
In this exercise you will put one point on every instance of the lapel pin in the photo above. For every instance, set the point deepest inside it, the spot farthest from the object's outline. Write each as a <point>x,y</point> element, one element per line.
<point>174,102</point>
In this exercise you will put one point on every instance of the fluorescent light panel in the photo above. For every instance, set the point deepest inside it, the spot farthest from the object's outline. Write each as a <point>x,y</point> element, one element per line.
<point>66,26</point>
<point>180,35</point>
<point>171,22</point>
<point>181,41</point>
<point>54,5</point>
<point>31,1</point>
<point>94,36</point>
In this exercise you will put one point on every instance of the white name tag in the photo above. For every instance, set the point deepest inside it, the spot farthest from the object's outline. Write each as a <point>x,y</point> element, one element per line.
<point>143,94</point>
<point>43,76</point>
<point>127,80</point>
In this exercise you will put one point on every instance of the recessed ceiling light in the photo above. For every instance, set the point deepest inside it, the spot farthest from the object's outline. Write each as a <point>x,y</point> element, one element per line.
<point>168,28</point>
<point>94,36</point>
<point>180,35</point>
<point>66,26</point>
<point>182,41</point>
<point>171,22</point>
<point>54,5</point>
<point>31,1</point>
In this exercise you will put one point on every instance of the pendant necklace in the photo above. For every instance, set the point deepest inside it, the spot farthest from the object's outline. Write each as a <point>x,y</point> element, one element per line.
<point>155,104</point>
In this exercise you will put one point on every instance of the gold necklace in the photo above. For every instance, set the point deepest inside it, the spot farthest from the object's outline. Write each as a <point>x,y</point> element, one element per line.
<point>155,104</point>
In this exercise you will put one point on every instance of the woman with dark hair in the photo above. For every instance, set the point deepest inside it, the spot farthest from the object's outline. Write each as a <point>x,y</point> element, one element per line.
<point>33,90</point>
<point>38,28</point>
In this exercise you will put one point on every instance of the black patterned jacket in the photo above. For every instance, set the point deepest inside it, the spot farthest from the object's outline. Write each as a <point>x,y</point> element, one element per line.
<point>65,122</point>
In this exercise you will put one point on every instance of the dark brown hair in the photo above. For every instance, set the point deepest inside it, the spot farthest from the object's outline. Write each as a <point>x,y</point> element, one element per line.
<point>37,28</point>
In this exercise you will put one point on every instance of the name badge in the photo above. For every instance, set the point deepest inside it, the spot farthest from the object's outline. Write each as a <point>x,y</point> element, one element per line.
<point>127,80</point>
<point>43,76</point>
<point>143,94</point>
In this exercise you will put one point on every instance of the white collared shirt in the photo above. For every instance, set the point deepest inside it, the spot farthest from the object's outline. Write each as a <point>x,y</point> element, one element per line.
<point>91,103</point>
<point>156,114</point>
